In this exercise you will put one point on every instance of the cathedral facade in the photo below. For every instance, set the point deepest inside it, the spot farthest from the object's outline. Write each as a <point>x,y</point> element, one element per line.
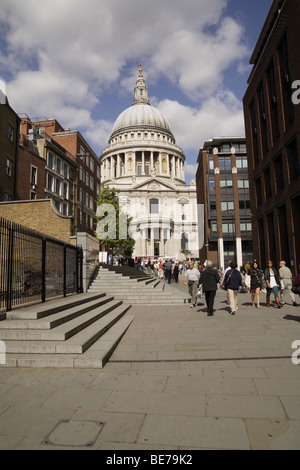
<point>146,167</point>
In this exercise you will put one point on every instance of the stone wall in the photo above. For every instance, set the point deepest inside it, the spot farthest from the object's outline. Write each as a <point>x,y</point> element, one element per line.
<point>40,215</point>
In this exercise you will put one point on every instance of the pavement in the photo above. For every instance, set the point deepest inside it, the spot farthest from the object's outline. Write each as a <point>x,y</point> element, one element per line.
<point>178,381</point>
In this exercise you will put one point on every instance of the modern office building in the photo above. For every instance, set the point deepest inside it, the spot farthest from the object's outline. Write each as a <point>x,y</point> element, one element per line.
<point>272,122</point>
<point>223,189</point>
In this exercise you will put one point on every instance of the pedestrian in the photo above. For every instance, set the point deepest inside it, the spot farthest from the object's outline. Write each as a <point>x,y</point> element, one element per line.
<point>191,278</point>
<point>296,284</point>
<point>168,271</point>
<point>233,281</point>
<point>160,270</point>
<point>273,283</point>
<point>256,283</point>
<point>209,279</point>
<point>285,276</point>
<point>175,272</point>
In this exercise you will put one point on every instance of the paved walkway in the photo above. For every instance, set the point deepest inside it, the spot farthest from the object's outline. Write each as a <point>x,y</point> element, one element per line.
<point>178,380</point>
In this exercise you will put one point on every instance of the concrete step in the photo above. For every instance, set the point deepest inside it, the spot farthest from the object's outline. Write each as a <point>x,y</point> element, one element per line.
<point>55,319</point>
<point>76,344</point>
<point>50,307</point>
<point>64,330</point>
<point>95,357</point>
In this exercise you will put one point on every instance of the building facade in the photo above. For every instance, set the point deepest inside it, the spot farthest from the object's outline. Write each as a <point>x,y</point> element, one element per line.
<point>60,175</point>
<point>9,134</point>
<point>223,189</point>
<point>272,122</point>
<point>72,170</point>
<point>31,171</point>
<point>146,167</point>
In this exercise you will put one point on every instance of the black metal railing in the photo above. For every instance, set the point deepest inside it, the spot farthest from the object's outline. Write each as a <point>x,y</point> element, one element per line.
<point>34,267</point>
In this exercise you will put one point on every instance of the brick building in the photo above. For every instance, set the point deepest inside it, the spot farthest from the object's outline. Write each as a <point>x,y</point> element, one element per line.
<point>31,171</point>
<point>88,165</point>
<point>272,122</point>
<point>9,133</point>
<point>60,174</point>
<point>223,189</point>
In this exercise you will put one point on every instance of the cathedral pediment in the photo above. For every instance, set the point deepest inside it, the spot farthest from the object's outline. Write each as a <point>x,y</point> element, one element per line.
<point>154,184</point>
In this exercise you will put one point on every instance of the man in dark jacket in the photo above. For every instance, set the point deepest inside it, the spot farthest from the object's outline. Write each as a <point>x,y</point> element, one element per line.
<point>233,281</point>
<point>209,279</point>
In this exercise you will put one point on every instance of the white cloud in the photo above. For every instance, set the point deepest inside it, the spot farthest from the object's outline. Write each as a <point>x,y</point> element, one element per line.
<point>62,57</point>
<point>219,115</point>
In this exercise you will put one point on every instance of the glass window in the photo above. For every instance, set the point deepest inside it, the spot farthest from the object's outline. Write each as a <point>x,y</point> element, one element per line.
<point>211,164</point>
<point>10,133</point>
<point>212,185</point>
<point>50,183</point>
<point>50,160</point>
<point>221,164</point>
<point>66,190</point>
<point>58,187</point>
<point>227,163</point>
<point>58,165</point>
<point>154,206</point>
<point>33,176</point>
<point>8,167</point>
<point>66,170</point>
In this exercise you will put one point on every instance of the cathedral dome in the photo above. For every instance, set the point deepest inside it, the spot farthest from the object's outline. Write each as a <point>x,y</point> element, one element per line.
<point>142,116</point>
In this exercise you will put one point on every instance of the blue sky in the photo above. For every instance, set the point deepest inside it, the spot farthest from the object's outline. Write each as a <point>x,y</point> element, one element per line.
<point>77,61</point>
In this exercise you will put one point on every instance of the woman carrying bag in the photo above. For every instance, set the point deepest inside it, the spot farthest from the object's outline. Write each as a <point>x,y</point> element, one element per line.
<point>256,283</point>
<point>273,283</point>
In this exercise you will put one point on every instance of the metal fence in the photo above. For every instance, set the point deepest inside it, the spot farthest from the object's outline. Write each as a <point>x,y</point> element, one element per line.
<point>34,267</point>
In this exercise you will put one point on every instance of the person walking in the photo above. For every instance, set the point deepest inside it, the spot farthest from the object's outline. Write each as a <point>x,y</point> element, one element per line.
<point>273,283</point>
<point>168,271</point>
<point>175,271</point>
<point>285,276</point>
<point>209,279</point>
<point>233,281</point>
<point>191,278</point>
<point>256,283</point>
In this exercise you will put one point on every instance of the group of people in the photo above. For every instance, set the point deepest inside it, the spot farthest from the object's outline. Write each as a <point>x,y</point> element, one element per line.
<point>256,280</point>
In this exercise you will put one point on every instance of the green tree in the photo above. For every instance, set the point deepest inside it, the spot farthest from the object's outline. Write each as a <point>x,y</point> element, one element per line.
<point>112,234</point>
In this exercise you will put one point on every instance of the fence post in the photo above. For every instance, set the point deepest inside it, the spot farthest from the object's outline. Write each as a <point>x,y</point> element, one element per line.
<point>43,270</point>
<point>65,272</point>
<point>10,263</point>
<point>79,276</point>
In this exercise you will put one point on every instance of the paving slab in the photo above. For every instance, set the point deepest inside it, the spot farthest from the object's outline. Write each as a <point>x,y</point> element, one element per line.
<point>178,380</point>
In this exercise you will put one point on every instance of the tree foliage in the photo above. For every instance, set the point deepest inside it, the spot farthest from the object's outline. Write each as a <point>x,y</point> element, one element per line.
<point>110,232</point>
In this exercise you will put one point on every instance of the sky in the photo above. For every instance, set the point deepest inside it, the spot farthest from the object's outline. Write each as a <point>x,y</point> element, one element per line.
<point>78,60</point>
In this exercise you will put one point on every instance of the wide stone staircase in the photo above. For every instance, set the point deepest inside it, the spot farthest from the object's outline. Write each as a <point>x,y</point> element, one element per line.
<point>133,286</point>
<point>79,331</point>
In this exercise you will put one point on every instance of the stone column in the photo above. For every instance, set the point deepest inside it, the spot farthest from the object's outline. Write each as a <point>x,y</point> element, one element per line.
<point>151,161</point>
<point>118,165</point>
<point>219,211</point>
<point>162,242</point>
<point>238,237</point>
<point>143,162</point>
<point>173,166</point>
<point>159,164</point>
